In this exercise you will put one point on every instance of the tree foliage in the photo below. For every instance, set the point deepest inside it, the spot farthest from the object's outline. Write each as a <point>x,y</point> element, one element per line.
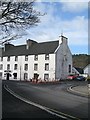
<point>81,60</point>
<point>18,14</point>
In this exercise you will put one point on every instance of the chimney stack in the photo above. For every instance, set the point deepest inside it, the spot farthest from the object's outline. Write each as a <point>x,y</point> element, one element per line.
<point>30,43</point>
<point>63,40</point>
<point>7,46</point>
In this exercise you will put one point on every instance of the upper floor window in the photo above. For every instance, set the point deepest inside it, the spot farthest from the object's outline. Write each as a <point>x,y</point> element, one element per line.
<point>36,57</point>
<point>1,66</point>
<point>26,67</point>
<point>8,66</point>
<point>16,58</point>
<point>15,67</point>
<point>47,57</point>
<point>36,67</point>
<point>26,58</point>
<point>8,58</point>
<point>47,66</point>
<point>69,69</point>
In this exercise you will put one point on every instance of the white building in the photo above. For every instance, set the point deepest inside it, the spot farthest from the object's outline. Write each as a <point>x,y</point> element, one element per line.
<point>47,60</point>
<point>87,70</point>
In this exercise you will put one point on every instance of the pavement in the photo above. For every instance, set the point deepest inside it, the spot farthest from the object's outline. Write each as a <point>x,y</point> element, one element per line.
<point>83,90</point>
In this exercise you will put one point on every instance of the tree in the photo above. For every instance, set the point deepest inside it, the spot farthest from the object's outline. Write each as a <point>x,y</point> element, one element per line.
<point>17,15</point>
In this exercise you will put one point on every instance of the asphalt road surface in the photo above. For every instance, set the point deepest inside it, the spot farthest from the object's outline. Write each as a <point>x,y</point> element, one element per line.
<point>17,109</point>
<point>54,97</point>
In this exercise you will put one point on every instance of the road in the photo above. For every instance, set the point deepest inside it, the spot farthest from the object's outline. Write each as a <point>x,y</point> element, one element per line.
<point>53,96</point>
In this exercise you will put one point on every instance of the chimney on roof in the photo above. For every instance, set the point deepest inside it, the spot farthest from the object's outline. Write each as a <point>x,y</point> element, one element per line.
<point>30,43</point>
<point>8,46</point>
<point>63,39</point>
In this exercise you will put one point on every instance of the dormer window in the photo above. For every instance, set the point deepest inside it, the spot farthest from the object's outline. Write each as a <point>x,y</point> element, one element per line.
<point>16,58</point>
<point>36,57</point>
<point>26,58</point>
<point>47,57</point>
<point>8,58</point>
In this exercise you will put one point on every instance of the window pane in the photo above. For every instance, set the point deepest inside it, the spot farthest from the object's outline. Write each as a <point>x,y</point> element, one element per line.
<point>47,57</point>
<point>26,67</point>
<point>8,66</point>
<point>25,76</point>
<point>16,58</point>
<point>1,66</point>
<point>36,57</point>
<point>69,69</point>
<point>46,76</point>
<point>15,67</point>
<point>26,58</point>
<point>8,58</point>
<point>35,66</point>
<point>47,66</point>
<point>15,75</point>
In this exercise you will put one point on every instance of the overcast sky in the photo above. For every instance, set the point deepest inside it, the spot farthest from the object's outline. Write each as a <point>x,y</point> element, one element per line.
<point>69,18</point>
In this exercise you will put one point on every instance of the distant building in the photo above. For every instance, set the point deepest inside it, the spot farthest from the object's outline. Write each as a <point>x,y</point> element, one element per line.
<point>75,71</point>
<point>46,61</point>
<point>87,70</point>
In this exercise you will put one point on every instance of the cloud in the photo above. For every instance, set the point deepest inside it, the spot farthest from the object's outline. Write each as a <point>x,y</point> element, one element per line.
<point>74,5</point>
<point>51,26</point>
<point>69,5</point>
<point>76,36</point>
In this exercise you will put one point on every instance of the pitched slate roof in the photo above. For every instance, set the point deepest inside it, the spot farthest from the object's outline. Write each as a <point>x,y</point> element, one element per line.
<point>80,70</point>
<point>35,49</point>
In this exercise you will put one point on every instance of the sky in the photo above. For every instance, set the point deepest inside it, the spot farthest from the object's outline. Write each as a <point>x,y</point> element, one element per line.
<point>69,18</point>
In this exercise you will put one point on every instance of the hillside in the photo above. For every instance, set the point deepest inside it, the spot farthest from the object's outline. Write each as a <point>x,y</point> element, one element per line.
<point>81,60</point>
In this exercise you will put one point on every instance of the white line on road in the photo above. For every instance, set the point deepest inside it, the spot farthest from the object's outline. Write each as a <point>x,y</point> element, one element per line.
<point>49,110</point>
<point>75,91</point>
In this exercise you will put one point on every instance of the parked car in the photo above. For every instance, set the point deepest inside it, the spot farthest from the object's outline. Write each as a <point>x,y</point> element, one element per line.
<point>71,77</point>
<point>80,78</point>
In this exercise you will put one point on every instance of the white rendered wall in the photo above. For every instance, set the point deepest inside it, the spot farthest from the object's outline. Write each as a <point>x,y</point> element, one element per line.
<point>87,70</point>
<point>21,62</point>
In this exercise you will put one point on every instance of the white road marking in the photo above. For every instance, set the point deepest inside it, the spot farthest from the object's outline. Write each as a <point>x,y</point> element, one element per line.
<point>49,110</point>
<point>75,91</point>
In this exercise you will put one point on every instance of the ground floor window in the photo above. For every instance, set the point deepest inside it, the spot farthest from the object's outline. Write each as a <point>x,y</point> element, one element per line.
<point>25,76</point>
<point>0,74</point>
<point>36,76</point>
<point>15,75</point>
<point>46,76</point>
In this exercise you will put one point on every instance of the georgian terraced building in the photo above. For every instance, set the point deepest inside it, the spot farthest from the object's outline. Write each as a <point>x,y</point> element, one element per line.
<point>47,60</point>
